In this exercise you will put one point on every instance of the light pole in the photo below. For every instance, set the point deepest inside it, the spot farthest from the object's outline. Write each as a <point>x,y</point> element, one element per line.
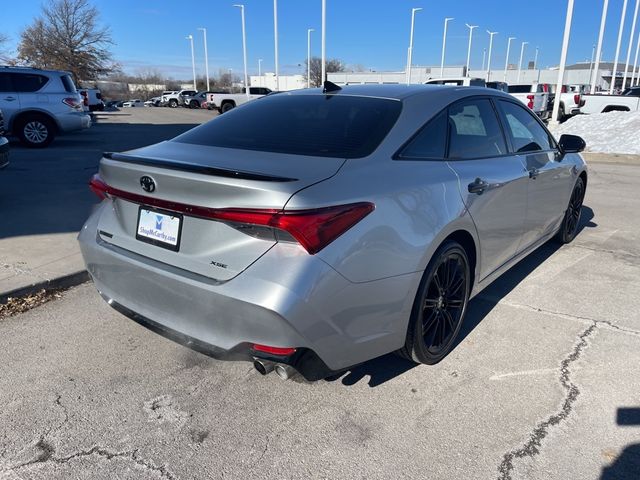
<point>633,34</point>
<point>193,61</point>
<point>506,63</point>
<point>535,59</point>
<point>259,67</point>
<point>323,41</point>
<point>275,40</point>
<point>521,55</point>
<point>593,54</point>
<point>444,45</point>
<point>410,51</point>
<point>484,58</point>
<point>309,30</point>
<point>563,60</point>
<point>596,69</point>
<point>615,62</point>
<point>206,56</point>
<point>470,27</point>
<point>244,50</point>
<point>635,63</point>
<point>491,34</point>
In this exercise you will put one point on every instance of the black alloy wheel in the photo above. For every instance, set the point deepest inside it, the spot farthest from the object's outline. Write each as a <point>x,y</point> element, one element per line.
<point>440,306</point>
<point>571,222</point>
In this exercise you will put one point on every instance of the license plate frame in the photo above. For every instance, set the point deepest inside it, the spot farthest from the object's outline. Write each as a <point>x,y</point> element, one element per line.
<point>157,242</point>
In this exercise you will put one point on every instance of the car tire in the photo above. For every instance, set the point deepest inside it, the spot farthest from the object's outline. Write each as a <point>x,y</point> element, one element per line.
<point>226,106</point>
<point>440,306</point>
<point>35,131</point>
<point>571,220</point>
<point>194,104</point>
<point>173,103</point>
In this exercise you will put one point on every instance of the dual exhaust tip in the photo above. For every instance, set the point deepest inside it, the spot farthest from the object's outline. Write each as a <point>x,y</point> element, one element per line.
<point>264,367</point>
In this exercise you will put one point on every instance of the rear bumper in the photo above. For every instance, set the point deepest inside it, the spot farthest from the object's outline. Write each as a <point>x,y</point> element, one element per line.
<point>285,299</point>
<point>4,152</point>
<point>72,121</point>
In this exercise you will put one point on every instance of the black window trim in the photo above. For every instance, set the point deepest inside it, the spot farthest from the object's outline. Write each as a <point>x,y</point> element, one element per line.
<point>398,155</point>
<point>554,144</point>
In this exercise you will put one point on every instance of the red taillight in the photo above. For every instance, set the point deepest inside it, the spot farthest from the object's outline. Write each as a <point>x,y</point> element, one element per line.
<point>530,98</point>
<point>577,98</point>
<point>313,229</point>
<point>72,102</point>
<point>282,351</point>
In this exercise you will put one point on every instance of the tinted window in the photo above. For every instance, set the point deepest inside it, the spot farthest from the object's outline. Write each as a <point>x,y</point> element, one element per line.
<point>68,84</point>
<point>430,142</point>
<point>28,82</point>
<point>5,83</point>
<point>519,88</point>
<point>318,125</point>
<point>526,133</point>
<point>474,131</point>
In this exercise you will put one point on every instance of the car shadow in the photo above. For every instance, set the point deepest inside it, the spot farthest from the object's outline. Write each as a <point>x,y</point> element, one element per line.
<point>387,367</point>
<point>627,465</point>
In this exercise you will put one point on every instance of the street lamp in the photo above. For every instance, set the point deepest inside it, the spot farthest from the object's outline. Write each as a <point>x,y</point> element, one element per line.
<point>323,41</point>
<point>193,61</point>
<point>410,51</point>
<point>521,55</point>
<point>444,45</point>
<point>535,58</point>
<point>309,30</point>
<point>275,40</point>
<point>633,34</point>
<point>484,58</point>
<point>491,34</point>
<point>593,54</point>
<point>563,60</point>
<point>615,62</point>
<point>259,67</point>
<point>635,63</point>
<point>206,56</point>
<point>470,27</point>
<point>244,50</point>
<point>506,63</point>
<point>603,21</point>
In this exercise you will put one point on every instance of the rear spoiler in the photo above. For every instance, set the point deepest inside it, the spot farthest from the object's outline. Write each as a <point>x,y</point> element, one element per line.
<point>194,168</point>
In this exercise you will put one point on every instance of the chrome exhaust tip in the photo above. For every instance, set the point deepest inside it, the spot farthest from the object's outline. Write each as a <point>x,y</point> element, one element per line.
<point>285,372</point>
<point>262,366</point>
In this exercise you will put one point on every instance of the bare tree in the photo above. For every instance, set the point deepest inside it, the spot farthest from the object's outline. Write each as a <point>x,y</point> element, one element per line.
<point>67,37</point>
<point>333,65</point>
<point>4,57</point>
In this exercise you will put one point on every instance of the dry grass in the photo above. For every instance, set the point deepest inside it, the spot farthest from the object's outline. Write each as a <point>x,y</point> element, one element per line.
<point>14,306</point>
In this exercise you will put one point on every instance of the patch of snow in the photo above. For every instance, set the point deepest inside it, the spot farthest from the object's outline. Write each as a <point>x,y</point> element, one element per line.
<point>613,132</point>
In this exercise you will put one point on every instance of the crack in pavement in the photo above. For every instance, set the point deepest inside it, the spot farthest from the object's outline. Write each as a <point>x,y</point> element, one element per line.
<point>47,455</point>
<point>616,253</point>
<point>532,447</point>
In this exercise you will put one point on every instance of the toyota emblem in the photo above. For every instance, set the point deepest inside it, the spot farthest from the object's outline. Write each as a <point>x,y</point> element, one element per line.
<point>147,184</point>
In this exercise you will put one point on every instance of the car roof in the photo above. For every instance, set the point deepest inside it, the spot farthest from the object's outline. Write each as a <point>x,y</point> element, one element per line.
<point>401,92</point>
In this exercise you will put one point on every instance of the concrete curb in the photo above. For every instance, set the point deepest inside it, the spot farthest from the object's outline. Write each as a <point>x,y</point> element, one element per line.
<point>65,281</point>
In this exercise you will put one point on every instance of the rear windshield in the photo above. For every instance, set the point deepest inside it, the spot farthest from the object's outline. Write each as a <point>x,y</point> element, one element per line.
<point>68,83</point>
<point>316,125</point>
<point>519,88</point>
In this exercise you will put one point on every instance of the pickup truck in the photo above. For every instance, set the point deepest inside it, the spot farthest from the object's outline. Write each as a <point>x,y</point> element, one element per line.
<point>571,100</point>
<point>223,102</point>
<point>175,99</point>
<point>535,96</point>
<point>629,101</point>
<point>459,81</point>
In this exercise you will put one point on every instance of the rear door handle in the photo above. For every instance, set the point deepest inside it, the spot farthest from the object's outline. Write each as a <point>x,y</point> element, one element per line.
<point>533,173</point>
<point>478,186</point>
<point>10,99</point>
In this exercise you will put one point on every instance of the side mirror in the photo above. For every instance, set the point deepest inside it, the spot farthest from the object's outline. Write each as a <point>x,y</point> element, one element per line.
<point>571,144</point>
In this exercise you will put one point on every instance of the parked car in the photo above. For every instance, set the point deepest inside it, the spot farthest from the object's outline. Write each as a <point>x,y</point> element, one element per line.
<point>40,104</point>
<point>4,145</point>
<point>176,99</point>
<point>255,237</point>
<point>223,102</point>
<point>198,100</point>
<point>459,81</point>
<point>533,95</point>
<point>153,102</point>
<point>570,102</point>
<point>502,86</point>
<point>628,101</point>
<point>93,99</point>
<point>133,103</point>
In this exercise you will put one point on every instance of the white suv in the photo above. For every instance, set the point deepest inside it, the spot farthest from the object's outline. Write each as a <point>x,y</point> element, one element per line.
<point>39,104</point>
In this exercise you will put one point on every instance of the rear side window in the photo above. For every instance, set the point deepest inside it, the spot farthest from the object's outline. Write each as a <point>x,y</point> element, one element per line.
<point>474,131</point>
<point>430,142</point>
<point>5,83</point>
<point>68,84</point>
<point>317,125</point>
<point>28,82</point>
<point>527,135</point>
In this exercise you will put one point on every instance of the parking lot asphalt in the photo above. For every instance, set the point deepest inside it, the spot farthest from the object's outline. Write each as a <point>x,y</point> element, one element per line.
<point>543,385</point>
<point>44,194</point>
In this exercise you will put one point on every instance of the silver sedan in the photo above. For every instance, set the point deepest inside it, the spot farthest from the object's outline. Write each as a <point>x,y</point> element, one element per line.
<point>313,230</point>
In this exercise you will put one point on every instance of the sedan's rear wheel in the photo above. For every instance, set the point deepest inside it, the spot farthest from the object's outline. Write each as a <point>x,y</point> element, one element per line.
<point>571,221</point>
<point>440,306</point>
